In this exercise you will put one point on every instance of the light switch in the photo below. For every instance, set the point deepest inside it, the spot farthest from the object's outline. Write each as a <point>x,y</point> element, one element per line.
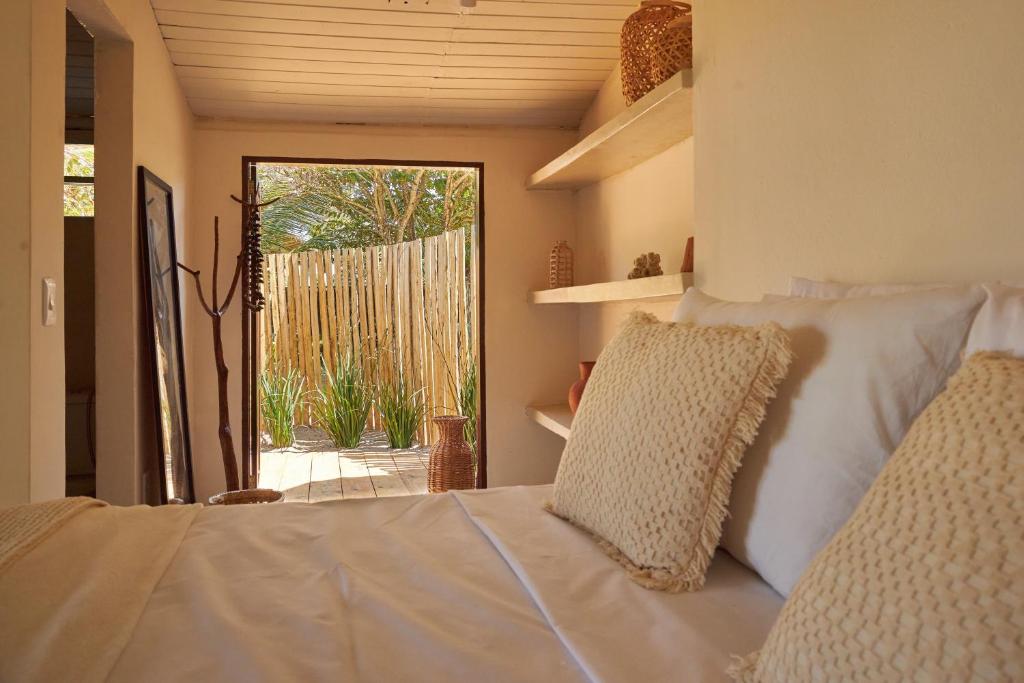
<point>49,301</point>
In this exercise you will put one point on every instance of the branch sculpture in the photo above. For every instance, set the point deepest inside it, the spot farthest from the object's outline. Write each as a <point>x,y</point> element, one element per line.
<point>216,311</point>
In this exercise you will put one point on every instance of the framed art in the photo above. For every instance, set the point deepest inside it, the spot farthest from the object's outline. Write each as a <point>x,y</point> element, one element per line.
<point>163,323</point>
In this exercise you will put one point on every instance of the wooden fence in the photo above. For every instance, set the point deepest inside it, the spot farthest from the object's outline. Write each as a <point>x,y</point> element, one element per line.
<point>406,310</point>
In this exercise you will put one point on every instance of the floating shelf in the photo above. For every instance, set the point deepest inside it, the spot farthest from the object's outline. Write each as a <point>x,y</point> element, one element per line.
<point>655,122</point>
<point>556,418</point>
<point>655,287</point>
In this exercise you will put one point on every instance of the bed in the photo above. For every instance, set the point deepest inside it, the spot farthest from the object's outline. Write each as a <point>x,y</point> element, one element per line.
<point>481,585</point>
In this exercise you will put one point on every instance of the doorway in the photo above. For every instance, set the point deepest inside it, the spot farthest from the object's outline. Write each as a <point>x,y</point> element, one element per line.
<point>79,263</point>
<point>366,322</point>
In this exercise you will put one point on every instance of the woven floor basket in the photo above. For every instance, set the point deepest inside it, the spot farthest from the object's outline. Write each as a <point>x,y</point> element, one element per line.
<point>246,496</point>
<point>657,41</point>
<point>451,458</point>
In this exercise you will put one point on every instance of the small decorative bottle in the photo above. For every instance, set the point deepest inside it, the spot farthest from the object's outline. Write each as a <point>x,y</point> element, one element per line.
<point>560,265</point>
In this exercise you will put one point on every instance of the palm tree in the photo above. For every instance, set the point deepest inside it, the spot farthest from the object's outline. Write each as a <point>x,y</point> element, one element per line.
<point>329,207</point>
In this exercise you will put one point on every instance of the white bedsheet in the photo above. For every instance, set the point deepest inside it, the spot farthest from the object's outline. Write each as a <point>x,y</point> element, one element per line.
<point>617,630</point>
<point>476,586</point>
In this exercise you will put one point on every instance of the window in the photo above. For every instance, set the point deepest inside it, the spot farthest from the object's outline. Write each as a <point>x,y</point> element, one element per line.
<point>79,178</point>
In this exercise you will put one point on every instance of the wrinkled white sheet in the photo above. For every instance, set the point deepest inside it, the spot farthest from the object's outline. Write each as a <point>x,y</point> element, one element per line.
<point>475,586</point>
<point>617,630</point>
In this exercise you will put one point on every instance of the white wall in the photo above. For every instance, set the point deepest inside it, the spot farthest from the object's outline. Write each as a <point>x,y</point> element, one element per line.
<point>864,141</point>
<point>31,355</point>
<point>530,350</point>
<point>647,208</point>
<point>142,118</point>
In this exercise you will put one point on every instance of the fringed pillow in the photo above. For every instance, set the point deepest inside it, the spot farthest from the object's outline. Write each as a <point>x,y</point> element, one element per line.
<point>661,429</point>
<point>926,580</point>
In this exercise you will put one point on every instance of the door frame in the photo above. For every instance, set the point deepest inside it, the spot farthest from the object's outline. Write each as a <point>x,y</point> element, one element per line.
<point>250,364</point>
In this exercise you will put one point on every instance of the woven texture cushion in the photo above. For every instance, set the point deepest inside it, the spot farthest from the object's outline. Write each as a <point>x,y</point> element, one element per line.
<point>926,581</point>
<point>664,421</point>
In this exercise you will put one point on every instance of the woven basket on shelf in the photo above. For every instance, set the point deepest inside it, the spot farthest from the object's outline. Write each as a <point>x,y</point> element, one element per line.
<point>560,266</point>
<point>451,457</point>
<point>657,41</point>
<point>246,496</point>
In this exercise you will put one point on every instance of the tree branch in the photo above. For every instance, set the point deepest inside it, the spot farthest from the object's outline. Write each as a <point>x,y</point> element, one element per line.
<point>234,285</point>
<point>412,201</point>
<point>216,257</point>
<point>199,288</point>
<point>378,203</point>
<point>249,205</point>
<point>359,208</point>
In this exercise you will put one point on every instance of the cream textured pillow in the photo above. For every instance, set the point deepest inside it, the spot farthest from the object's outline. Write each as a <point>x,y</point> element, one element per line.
<point>863,369</point>
<point>665,419</point>
<point>926,581</point>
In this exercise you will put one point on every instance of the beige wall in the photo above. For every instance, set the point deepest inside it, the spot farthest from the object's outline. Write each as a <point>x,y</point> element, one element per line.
<point>647,208</point>
<point>858,141</point>
<point>31,355</point>
<point>530,350</point>
<point>142,118</point>
<point>607,103</point>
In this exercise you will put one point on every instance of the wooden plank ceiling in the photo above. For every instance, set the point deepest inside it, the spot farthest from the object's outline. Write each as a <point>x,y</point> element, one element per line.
<point>78,83</point>
<point>504,62</point>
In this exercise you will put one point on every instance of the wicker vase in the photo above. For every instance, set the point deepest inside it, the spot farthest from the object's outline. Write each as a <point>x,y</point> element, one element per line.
<point>451,458</point>
<point>657,41</point>
<point>560,266</point>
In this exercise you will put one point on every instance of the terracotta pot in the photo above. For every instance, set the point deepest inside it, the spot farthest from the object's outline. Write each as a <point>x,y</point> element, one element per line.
<point>451,457</point>
<point>576,390</point>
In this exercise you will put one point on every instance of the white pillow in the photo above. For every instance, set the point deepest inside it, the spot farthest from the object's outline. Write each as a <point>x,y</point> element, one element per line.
<point>999,325</point>
<point>817,289</point>
<point>863,370</point>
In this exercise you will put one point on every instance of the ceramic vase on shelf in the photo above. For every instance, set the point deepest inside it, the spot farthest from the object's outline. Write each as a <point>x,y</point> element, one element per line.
<point>451,457</point>
<point>576,390</point>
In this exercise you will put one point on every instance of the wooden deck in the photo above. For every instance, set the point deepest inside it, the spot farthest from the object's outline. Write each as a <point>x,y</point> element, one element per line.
<point>313,469</point>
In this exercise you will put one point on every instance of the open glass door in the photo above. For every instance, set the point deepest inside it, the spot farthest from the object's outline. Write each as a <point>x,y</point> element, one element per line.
<point>365,323</point>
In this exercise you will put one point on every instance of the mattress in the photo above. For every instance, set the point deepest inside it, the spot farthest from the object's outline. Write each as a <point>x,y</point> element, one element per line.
<point>481,585</point>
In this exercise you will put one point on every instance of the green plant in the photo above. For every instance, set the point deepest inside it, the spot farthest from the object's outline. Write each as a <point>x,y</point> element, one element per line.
<point>401,412</point>
<point>280,396</point>
<point>465,389</point>
<point>341,206</point>
<point>468,391</point>
<point>342,406</point>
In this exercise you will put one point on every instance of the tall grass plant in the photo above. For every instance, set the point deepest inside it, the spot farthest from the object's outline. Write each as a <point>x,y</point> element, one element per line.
<point>401,411</point>
<point>280,397</point>
<point>342,405</point>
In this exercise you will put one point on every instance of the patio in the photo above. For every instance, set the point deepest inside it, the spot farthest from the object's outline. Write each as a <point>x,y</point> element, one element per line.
<point>313,469</point>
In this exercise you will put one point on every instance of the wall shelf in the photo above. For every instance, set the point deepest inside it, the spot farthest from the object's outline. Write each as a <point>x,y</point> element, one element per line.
<point>556,418</point>
<point>659,286</point>
<point>652,124</point>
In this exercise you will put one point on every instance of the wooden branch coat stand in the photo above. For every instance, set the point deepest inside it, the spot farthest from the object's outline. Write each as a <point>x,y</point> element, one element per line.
<point>216,313</point>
